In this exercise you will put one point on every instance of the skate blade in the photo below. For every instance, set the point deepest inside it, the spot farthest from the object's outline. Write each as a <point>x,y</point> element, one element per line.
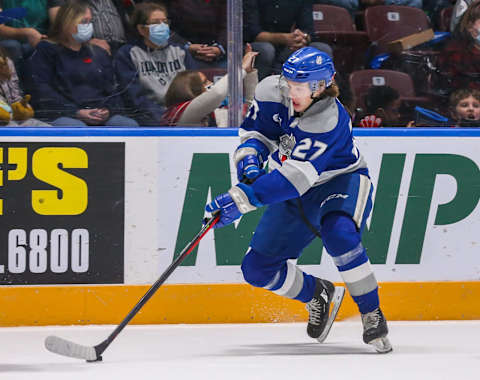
<point>336,302</point>
<point>381,345</point>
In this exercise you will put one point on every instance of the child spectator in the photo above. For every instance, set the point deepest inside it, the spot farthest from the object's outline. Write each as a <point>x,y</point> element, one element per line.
<point>15,109</point>
<point>192,99</point>
<point>465,108</point>
<point>73,82</point>
<point>383,108</point>
<point>146,68</point>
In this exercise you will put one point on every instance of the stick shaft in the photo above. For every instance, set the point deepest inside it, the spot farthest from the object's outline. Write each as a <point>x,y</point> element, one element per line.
<point>100,348</point>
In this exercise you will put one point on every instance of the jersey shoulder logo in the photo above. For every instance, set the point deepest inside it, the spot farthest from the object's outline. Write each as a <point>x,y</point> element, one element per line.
<point>286,145</point>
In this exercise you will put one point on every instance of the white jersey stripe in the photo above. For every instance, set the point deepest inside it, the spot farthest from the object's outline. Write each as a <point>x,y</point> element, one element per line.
<point>357,273</point>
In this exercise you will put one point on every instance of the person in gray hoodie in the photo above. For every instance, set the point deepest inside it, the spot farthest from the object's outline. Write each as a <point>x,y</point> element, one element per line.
<point>146,68</point>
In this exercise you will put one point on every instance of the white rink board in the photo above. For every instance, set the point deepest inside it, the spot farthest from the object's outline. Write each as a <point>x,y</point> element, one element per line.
<point>450,252</point>
<point>156,175</point>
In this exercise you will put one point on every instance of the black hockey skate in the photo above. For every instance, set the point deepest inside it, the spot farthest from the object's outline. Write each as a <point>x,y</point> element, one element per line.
<point>375,331</point>
<point>320,317</point>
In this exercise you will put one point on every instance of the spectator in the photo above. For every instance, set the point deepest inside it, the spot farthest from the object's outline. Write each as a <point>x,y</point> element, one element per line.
<point>73,82</point>
<point>15,109</point>
<point>146,68</point>
<point>459,9</point>
<point>192,99</point>
<point>459,61</point>
<point>20,37</point>
<point>276,29</point>
<point>202,27</point>
<point>383,108</point>
<point>465,108</point>
<point>110,22</point>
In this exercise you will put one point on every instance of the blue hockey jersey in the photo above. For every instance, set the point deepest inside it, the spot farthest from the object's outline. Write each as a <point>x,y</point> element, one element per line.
<point>304,151</point>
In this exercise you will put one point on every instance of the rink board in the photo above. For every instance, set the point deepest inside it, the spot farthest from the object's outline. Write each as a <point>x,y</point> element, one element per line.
<point>90,217</point>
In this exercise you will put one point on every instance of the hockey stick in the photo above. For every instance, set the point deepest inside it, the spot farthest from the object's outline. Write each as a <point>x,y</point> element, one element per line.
<point>65,347</point>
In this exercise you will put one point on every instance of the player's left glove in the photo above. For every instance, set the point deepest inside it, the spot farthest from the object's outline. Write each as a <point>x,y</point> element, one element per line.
<point>249,168</point>
<point>249,161</point>
<point>239,200</point>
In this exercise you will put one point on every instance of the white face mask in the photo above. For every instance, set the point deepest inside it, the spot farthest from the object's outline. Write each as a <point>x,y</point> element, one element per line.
<point>84,33</point>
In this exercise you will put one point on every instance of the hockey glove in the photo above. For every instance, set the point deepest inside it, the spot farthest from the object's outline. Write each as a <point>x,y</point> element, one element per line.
<point>239,200</point>
<point>249,168</point>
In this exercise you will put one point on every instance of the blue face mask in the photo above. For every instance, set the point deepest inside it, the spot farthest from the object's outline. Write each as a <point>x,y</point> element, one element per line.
<point>159,33</point>
<point>84,33</point>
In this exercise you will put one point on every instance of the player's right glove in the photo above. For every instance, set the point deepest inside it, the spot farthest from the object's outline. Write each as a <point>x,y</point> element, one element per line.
<point>239,200</point>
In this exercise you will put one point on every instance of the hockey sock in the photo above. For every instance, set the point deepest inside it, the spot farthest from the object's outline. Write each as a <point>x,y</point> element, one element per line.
<point>343,243</point>
<point>277,275</point>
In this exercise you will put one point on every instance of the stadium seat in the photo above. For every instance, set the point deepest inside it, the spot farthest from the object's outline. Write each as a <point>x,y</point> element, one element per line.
<point>214,74</point>
<point>386,23</point>
<point>334,26</point>
<point>445,18</point>
<point>328,18</point>
<point>360,81</point>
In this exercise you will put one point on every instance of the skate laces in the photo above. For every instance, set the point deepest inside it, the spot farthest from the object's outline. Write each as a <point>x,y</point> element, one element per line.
<point>372,320</point>
<point>316,310</point>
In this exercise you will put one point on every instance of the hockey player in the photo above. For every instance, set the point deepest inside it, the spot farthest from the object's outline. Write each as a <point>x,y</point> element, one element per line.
<point>318,183</point>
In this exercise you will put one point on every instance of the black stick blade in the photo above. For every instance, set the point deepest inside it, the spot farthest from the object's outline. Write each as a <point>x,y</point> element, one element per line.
<point>65,347</point>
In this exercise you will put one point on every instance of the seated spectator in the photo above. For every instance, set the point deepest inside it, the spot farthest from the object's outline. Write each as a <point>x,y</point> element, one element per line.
<point>383,108</point>
<point>73,82</point>
<point>465,108</point>
<point>459,61</point>
<point>110,22</point>
<point>459,9</point>
<point>192,100</point>
<point>355,5</point>
<point>20,37</point>
<point>146,68</point>
<point>202,27</point>
<point>276,29</point>
<point>15,109</point>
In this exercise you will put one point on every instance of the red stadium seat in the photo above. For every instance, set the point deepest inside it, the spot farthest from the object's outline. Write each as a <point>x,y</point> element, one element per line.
<point>386,23</point>
<point>334,26</point>
<point>329,18</point>
<point>214,74</point>
<point>445,18</point>
<point>360,81</point>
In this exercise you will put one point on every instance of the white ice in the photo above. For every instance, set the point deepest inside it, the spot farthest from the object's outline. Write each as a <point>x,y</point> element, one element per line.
<point>422,350</point>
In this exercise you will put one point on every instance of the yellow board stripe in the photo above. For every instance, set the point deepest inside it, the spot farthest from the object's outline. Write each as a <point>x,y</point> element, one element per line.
<point>220,303</point>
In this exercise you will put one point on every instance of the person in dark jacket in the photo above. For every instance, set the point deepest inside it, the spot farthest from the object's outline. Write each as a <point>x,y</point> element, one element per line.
<point>146,68</point>
<point>201,26</point>
<point>111,27</point>
<point>73,82</point>
<point>277,28</point>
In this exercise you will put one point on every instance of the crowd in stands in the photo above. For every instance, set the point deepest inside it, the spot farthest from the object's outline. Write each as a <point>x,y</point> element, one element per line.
<point>150,63</point>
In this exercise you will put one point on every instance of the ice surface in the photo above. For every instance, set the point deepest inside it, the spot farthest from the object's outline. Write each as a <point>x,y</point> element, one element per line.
<point>422,350</point>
